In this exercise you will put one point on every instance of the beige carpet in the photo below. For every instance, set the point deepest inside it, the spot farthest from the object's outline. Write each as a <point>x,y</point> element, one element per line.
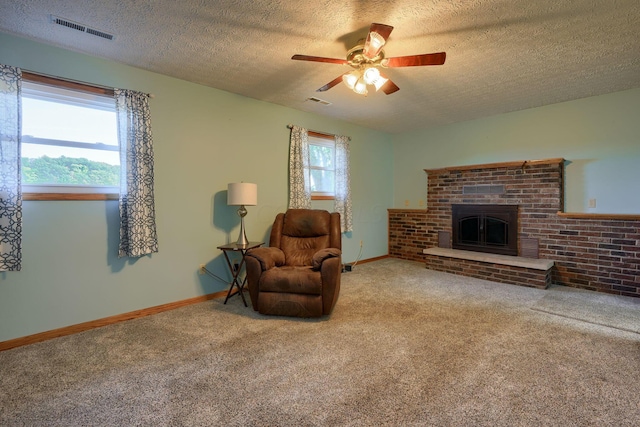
<point>405,346</point>
<point>597,308</point>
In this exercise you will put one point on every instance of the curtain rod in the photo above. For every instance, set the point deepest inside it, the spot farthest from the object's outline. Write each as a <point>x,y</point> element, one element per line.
<point>290,126</point>
<point>150,95</point>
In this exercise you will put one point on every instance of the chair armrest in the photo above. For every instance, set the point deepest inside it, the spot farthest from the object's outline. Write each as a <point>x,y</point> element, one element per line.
<point>268,257</point>
<point>323,254</point>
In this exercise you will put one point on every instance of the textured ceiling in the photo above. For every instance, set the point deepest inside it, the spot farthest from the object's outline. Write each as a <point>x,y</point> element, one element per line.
<point>502,55</point>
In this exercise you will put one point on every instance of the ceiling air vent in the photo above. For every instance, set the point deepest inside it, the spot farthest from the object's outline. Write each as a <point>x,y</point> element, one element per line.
<point>83,28</point>
<point>318,100</point>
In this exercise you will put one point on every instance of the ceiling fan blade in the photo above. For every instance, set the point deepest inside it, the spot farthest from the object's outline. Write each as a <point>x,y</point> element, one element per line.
<point>331,84</point>
<point>376,39</point>
<point>389,87</point>
<point>415,60</point>
<point>319,59</point>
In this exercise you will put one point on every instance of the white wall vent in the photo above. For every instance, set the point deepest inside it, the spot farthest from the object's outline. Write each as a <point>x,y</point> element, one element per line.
<point>318,100</point>
<point>79,27</point>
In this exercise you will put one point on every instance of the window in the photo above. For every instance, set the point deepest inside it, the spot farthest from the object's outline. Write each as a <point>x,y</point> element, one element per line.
<point>69,139</point>
<point>322,164</point>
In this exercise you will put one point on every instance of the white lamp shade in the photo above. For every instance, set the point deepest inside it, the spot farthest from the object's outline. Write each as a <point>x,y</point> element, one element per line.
<point>242,193</point>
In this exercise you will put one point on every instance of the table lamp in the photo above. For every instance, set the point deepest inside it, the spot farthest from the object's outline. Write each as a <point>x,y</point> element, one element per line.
<point>242,194</point>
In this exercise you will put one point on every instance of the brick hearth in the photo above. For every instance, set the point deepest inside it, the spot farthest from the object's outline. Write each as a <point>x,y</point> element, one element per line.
<point>595,252</point>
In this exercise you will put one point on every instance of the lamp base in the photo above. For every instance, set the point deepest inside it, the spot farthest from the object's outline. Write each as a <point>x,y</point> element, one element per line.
<point>242,238</point>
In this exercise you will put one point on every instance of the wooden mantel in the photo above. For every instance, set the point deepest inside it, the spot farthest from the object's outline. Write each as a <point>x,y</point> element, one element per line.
<point>518,163</point>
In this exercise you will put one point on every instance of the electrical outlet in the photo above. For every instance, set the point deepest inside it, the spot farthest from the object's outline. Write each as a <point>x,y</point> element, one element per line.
<point>592,203</point>
<point>406,202</point>
<point>202,269</point>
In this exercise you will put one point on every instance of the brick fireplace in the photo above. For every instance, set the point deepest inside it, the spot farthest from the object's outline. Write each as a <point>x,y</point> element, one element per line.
<point>590,251</point>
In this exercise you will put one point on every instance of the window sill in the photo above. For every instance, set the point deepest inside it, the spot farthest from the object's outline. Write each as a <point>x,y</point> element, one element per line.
<point>322,198</point>
<point>70,196</point>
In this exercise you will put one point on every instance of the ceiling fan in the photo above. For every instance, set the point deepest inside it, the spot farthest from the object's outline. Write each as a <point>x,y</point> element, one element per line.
<point>366,59</point>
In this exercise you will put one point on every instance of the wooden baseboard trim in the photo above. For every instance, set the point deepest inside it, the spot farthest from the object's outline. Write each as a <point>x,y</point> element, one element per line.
<point>81,327</point>
<point>378,258</point>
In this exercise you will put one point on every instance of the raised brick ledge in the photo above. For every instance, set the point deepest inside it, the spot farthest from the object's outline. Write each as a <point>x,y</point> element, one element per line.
<point>514,261</point>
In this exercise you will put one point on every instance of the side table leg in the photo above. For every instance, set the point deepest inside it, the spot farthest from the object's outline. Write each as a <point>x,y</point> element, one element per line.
<point>233,273</point>
<point>234,281</point>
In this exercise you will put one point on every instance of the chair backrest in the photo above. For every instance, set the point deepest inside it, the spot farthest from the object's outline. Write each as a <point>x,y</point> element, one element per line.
<point>300,233</point>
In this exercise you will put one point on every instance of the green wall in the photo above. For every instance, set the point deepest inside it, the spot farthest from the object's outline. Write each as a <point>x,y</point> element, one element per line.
<point>598,136</point>
<point>203,139</point>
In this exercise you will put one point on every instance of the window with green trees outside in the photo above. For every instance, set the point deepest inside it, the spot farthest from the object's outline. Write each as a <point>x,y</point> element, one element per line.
<point>69,140</point>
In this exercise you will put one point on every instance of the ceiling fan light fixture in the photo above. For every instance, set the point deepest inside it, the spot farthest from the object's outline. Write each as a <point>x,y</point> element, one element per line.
<point>376,40</point>
<point>379,82</point>
<point>360,87</point>
<point>370,75</point>
<point>350,79</point>
<point>367,57</point>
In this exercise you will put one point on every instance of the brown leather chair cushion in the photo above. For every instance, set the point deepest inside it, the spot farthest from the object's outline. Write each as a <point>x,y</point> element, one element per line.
<point>306,223</point>
<point>322,255</point>
<point>296,280</point>
<point>303,232</point>
<point>299,251</point>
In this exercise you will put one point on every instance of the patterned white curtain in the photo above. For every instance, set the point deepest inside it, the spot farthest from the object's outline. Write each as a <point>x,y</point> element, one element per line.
<point>299,178</point>
<point>343,184</point>
<point>137,206</point>
<point>10,176</point>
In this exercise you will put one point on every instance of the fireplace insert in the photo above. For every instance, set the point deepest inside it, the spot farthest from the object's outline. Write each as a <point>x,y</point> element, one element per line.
<point>485,228</point>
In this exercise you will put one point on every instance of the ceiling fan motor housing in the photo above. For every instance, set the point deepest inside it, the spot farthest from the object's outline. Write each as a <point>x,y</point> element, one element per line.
<point>357,59</point>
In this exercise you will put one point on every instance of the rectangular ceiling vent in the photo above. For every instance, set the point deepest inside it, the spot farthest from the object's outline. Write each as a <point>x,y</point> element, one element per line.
<point>79,27</point>
<point>318,100</point>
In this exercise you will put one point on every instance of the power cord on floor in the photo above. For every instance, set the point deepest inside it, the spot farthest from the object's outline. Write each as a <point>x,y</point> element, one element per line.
<point>349,266</point>
<point>353,264</point>
<point>209,273</point>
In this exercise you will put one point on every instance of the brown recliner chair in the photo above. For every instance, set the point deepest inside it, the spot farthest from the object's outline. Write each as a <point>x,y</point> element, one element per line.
<point>299,273</point>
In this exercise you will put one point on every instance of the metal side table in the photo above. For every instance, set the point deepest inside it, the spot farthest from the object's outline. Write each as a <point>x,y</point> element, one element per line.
<point>236,268</point>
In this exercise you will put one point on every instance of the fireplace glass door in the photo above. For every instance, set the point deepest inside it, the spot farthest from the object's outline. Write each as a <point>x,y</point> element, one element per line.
<point>485,228</point>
